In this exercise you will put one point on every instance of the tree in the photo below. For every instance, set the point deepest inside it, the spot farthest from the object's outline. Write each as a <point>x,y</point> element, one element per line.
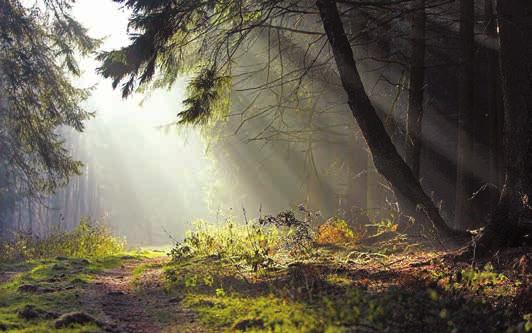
<point>464,163</point>
<point>206,37</point>
<point>416,87</point>
<point>494,107</point>
<point>512,219</point>
<point>37,96</point>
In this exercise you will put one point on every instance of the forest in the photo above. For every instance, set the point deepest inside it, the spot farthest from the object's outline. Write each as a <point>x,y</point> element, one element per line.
<point>288,166</point>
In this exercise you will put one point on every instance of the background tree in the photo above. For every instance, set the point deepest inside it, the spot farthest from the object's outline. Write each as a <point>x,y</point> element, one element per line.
<point>37,61</point>
<point>416,87</point>
<point>464,182</point>
<point>511,221</point>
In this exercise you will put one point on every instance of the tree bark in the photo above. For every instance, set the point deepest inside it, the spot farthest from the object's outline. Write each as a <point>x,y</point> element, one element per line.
<point>464,148</point>
<point>385,156</point>
<point>494,112</point>
<point>30,217</point>
<point>513,215</point>
<point>416,88</point>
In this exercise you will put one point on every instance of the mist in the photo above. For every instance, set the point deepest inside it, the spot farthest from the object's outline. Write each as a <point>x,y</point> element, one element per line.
<point>150,177</point>
<point>265,166</point>
<point>286,139</point>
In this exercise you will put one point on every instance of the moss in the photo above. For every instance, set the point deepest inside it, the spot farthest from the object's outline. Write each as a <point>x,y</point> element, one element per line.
<point>229,298</point>
<point>338,280</point>
<point>58,283</point>
<point>265,313</point>
<point>57,297</point>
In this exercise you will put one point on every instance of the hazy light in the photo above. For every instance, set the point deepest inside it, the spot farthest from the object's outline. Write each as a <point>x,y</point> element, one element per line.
<point>149,178</point>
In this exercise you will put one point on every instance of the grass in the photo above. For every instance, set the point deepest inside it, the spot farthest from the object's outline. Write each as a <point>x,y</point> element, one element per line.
<point>87,240</point>
<point>61,282</point>
<point>329,302</point>
<point>334,285</point>
<point>392,286</point>
<point>263,313</point>
<point>50,275</point>
<point>64,276</point>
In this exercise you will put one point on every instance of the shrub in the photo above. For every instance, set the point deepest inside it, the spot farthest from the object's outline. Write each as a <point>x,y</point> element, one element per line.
<point>297,234</point>
<point>250,243</point>
<point>253,243</point>
<point>88,239</point>
<point>335,231</point>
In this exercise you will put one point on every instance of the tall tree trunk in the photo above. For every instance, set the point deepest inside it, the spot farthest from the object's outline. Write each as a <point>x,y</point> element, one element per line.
<point>493,111</point>
<point>416,84</point>
<point>385,156</point>
<point>30,217</point>
<point>67,206</point>
<point>19,217</point>
<point>513,216</point>
<point>369,181</point>
<point>464,149</point>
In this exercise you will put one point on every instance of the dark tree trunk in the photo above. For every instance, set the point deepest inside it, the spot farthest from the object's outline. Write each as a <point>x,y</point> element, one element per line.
<point>464,149</point>
<point>493,110</point>
<point>359,191</point>
<point>385,156</point>
<point>513,215</point>
<point>415,88</point>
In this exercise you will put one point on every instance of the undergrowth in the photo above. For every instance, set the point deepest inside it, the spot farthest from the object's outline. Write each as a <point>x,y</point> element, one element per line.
<point>253,244</point>
<point>87,240</point>
<point>281,274</point>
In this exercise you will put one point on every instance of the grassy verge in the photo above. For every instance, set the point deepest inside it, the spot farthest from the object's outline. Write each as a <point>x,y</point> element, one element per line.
<point>41,290</point>
<point>88,239</point>
<point>390,286</point>
<point>42,279</point>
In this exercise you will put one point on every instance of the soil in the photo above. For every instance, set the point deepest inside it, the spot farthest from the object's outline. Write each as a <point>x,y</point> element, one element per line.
<point>129,304</point>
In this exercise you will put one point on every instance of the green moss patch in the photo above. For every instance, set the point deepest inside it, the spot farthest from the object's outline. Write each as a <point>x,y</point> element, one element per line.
<point>51,287</point>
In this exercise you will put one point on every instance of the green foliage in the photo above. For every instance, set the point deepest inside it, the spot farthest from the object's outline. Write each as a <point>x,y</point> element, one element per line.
<point>185,37</point>
<point>524,326</point>
<point>208,98</point>
<point>477,278</point>
<point>38,97</point>
<point>483,281</point>
<point>87,240</point>
<point>384,225</point>
<point>320,294</point>
<point>250,243</point>
<point>253,243</point>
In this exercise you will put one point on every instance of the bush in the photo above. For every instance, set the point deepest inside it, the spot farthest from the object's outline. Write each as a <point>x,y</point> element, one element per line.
<point>298,236</point>
<point>335,231</point>
<point>251,243</point>
<point>86,240</point>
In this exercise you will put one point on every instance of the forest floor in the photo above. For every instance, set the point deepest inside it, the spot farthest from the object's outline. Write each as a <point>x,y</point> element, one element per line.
<point>339,289</point>
<point>123,293</point>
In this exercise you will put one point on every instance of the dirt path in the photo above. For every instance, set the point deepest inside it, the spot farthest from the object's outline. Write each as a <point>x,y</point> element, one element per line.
<point>137,302</point>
